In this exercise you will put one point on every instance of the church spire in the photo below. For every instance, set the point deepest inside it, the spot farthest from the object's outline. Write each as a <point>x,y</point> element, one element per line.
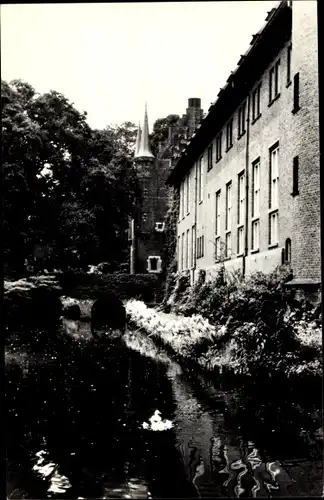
<point>144,150</point>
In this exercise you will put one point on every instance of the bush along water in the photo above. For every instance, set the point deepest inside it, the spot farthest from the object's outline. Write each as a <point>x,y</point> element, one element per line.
<point>251,326</point>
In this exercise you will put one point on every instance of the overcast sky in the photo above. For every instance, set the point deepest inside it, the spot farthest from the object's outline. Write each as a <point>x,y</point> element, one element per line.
<point>108,59</point>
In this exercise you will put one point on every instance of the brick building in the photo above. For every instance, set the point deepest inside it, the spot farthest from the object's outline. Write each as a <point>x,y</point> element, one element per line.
<point>147,228</point>
<point>249,178</point>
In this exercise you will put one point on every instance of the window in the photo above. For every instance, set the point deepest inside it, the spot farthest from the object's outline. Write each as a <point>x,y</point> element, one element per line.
<point>159,227</point>
<point>218,212</point>
<point>210,157</point>
<point>228,206</point>
<point>273,228</point>
<point>200,247</point>
<point>219,146</point>
<point>256,102</point>
<point>229,134</point>
<point>241,120</point>
<point>289,64</point>
<point>274,80</point>
<point>255,234</point>
<point>296,93</point>
<point>228,245</point>
<point>181,200</point>
<point>241,198</point>
<point>217,249</point>
<point>154,264</point>
<point>274,178</point>
<point>200,179</point>
<point>179,253</point>
<point>295,191</point>
<point>187,249</point>
<point>240,240</point>
<point>255,188</point>
<point>185,197</point>
<point>288,250</point>
<point>193,246</point>
<point>188,194</point>
<point>182,251</point>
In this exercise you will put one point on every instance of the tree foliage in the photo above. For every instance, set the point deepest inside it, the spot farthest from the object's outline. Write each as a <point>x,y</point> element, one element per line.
<point>65,185</point>
<point>161,130</point>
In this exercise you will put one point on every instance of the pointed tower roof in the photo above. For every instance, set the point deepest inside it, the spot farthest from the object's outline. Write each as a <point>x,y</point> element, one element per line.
<point>138,139</point>
<point>144,150</point>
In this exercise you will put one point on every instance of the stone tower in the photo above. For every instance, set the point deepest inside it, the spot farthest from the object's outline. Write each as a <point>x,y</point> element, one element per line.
<point>147,231</point>
<point>147,228</point>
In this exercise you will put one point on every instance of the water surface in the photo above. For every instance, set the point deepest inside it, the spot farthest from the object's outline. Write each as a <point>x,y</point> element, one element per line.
<point>126,422</point>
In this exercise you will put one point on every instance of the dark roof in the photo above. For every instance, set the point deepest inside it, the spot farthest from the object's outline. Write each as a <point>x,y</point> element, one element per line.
<point>263,48</point>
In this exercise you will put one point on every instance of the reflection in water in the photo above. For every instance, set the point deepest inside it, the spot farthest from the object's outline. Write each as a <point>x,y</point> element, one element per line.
<point>79,427</point>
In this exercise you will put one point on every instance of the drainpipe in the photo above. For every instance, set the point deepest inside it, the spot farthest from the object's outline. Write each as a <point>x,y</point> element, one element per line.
<point>247,161</point>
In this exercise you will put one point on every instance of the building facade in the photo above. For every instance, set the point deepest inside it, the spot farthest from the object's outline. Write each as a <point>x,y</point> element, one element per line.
<point>146,233</point>
<point>249,179</point>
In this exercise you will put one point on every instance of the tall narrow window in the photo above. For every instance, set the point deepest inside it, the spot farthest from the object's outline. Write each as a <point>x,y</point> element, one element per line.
<point>202,246</point>
<point>256,102</point>
<point>218,212</point>
<point>229,134</point>
<point>182,250</point>
<point>273,228</point>
<point>187,248</point>
<point>188,194</point>
<point>296,93</point>
<point>228,245</point>
<point>181,200</point>
<point>274,178</point>
<point>295,190</point>
<point>255,234</point>
<point>185,197</point>
<point>200,179</point>
<point>217,249</point>
<point>219,146</point>
<point>241,120</point>
<point>241,198</point>
<point>210,157</point>
<point>289,64</point>
<point>274,82</point>
<point>240,240</point>
<point>179,254</point>
<point>193,246</point>
<point>255,188</point>
<point>228,206</point>
<point>288,250</point>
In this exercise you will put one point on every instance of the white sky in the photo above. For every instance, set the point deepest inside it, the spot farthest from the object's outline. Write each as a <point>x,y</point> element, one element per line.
<point>110,58</point>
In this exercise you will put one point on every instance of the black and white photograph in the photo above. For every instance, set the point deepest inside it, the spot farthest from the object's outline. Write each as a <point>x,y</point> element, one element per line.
<point>161,220</point>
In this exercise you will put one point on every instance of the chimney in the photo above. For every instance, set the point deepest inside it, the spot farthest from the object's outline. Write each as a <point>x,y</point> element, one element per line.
<point>194,113</point>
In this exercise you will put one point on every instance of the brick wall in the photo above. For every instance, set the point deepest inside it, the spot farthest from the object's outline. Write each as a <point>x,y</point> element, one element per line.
<point>304,138</point>
<point>297,134</point>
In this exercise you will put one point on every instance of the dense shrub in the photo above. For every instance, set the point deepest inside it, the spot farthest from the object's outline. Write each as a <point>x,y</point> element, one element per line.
<point>252,325</point>
<point>84,285</point>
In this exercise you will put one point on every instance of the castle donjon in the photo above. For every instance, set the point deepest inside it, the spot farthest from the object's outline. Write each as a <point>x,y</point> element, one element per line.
<point>147,232</point>
<point>248,173</point>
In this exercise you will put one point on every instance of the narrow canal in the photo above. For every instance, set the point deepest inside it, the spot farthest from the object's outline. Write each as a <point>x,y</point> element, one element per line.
<point>126,422</point>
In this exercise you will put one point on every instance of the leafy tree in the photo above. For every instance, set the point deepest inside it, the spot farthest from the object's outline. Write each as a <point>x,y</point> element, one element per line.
<point>65,185</point>
<point>161,130</point>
